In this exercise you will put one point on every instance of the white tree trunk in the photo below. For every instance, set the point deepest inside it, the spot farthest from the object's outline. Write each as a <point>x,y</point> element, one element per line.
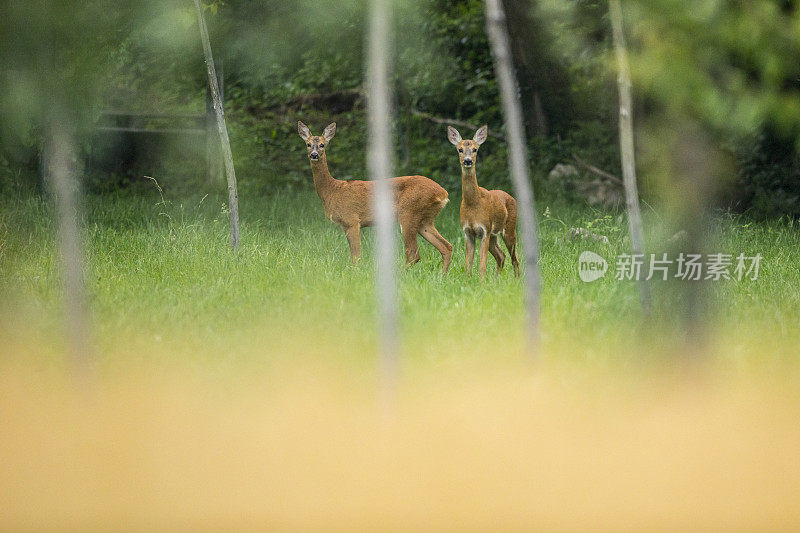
<point>518,162</point>
<point>379,161</point>
<point>60,156</point>
<point>626,146</point>
<point>233,195</point>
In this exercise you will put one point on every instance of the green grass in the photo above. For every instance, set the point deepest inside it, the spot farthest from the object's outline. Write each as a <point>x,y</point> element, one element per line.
<point>164,284</point>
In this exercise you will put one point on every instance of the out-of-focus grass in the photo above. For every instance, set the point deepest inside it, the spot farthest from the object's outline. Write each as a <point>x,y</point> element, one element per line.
<point>306,447</point>
<point>239,389</point>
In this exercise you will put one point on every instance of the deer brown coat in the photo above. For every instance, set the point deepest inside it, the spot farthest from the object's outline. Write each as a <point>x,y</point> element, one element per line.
<point>417,202</point>
<point>485,215</point>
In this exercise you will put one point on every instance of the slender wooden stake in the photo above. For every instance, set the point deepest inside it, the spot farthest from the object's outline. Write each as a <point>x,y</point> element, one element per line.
<point>626,146</point>
<point>233,195</point>
<point>518,162</point>
<point>379,160</point>
<point>60,157</point>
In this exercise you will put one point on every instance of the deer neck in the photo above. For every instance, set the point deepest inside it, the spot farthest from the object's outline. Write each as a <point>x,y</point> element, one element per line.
<point>469,184</point>
<point>323,181</point>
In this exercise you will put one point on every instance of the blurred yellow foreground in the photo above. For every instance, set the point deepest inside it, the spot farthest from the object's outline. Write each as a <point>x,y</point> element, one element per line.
<point>306,448</point>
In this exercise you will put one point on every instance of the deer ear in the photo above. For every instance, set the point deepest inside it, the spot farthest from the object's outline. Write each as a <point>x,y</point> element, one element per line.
<point>329,132</point>
<point>302,129</point>
<point>453,136</point>
<point>481,134</point>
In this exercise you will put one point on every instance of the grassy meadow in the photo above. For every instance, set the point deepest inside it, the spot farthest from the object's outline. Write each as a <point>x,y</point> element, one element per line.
<point>161,273</point>
<point>241,389</point>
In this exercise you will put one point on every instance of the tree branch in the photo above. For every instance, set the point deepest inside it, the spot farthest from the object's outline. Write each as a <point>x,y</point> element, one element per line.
<point>451,122</point>
<point>595,170</point>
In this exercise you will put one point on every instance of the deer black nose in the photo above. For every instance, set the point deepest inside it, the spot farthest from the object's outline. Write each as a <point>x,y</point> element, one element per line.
<point>467,160</point>
<point>314,155</point>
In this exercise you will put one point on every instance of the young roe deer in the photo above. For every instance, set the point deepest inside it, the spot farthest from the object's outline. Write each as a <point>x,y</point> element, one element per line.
<point>417,202</point>
<point>485,214</point>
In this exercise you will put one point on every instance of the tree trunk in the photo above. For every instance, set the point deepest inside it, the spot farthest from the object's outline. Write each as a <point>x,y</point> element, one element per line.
<point>60,157</point>
<point>233,195</point>
<point>214,164</point>
<point>518,161</point>
<point>627,147</point>
<point>379,160</point>
<point>697,166</point>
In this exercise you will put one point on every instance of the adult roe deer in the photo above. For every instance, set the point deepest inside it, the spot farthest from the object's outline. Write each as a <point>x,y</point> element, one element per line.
<point>417,202</point>
<point>485,214</point>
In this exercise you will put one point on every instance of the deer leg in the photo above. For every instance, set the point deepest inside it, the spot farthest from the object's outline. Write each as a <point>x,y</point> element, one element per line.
<point>498,254</point>
<point>410,243</point>
<point>511,243</point>
<point>353,234</point>
<point>469,239</point>
<point>484,255</point>
<point>430,234</point>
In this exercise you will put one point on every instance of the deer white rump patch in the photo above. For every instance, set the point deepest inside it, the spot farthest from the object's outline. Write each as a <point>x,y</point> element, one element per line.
<point>479,230</point>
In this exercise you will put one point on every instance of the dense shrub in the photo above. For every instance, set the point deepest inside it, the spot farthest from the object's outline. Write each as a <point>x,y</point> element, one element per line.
<point>768,183</point>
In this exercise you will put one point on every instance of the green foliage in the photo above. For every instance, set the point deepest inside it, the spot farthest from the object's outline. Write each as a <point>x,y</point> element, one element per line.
<point>729,67</point>
<point>6,175</point>
<point>769,176</point>
<point>158,65</point>
<point>449,71</point>
<point>276,50</point>
<point>732,65</point>
<point>64,63</point>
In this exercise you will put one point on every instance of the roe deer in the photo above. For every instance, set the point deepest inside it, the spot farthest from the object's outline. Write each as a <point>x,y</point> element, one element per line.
<point>484,214</point>
<point>417,202</point>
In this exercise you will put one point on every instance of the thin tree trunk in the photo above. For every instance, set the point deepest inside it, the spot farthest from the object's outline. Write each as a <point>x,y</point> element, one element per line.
<point>379,161</point>
<point>626,146</point>
<point>518,161</point>
<point>60,158</point>
<point>233,195</point>
<point>696,165</point>
<point>214,164</point>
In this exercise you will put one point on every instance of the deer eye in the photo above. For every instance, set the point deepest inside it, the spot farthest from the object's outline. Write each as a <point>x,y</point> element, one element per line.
<point>461,150</point>
<point>308,144</point>
<point>322,146</point>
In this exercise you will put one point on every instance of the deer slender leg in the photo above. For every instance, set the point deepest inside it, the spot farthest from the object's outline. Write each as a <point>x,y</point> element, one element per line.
<point>469,239</point>
<point>410,242</point>
<point>497,252</point>
<point>353,234</point>
<point>430,234</point>
<point>484,255</point>
<point>511,243</point>
<point>446,257</point>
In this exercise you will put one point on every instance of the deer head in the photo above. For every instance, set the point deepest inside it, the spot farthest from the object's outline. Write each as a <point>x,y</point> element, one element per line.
<point>315,145</point>
<point>467,149</point>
